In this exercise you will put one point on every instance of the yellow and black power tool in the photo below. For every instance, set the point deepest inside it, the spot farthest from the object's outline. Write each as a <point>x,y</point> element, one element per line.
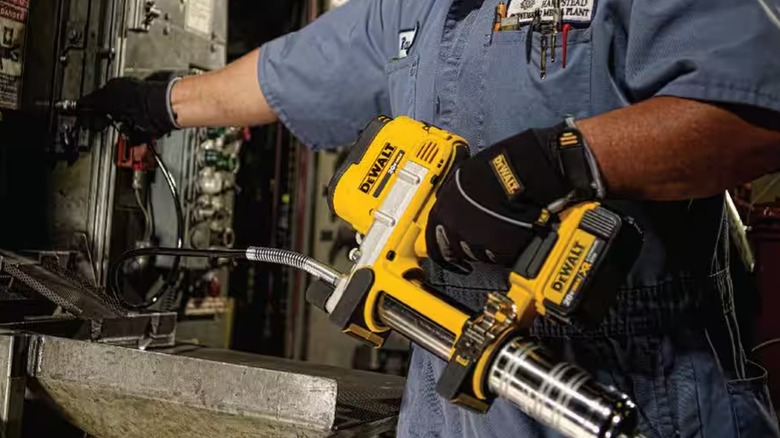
<point>385,190</point>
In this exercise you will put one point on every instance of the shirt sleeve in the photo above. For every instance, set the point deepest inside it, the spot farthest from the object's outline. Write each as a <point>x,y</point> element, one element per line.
<point>327,80</point>
<point>712,50</point>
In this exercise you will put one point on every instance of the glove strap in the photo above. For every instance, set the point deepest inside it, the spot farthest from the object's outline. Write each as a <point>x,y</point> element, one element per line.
<point>578,163</point>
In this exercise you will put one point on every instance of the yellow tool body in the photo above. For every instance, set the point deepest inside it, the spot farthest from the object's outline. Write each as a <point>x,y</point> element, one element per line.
<point>367,183</point>
<point>385,190</point>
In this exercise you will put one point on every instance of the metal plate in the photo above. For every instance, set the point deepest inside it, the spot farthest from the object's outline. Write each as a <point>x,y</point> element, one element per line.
<point>169,45</point>
<point>363,397</point>
<point>119,392</point>
<point>199,16</point>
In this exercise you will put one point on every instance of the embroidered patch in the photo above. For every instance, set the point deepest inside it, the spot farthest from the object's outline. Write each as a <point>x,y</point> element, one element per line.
<point>572,11</point>
<point>406,41</point>
<point>506,176</point>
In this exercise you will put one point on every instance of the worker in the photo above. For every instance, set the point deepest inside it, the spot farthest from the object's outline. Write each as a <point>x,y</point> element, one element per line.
<point>673,102</point>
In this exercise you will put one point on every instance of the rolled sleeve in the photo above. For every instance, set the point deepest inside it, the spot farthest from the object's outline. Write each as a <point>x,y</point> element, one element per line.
<point>327,81</point>
<point>714,50</point>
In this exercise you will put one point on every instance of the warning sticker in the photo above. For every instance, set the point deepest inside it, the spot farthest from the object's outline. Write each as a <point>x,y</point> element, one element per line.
<point>21,4</point>
<point>572,11</point>
<point>199,15</point>
<point>13,19</point>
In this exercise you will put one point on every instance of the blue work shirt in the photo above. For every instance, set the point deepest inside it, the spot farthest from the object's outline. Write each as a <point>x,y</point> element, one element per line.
<point>671,342</point>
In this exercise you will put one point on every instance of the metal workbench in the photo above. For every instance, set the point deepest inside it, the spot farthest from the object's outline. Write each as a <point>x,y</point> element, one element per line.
<point>186,391</point>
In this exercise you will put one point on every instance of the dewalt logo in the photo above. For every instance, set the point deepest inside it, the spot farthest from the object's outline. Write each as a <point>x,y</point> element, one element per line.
<point>506,176</point>
<point>377,167</point>
<point>566,275</point>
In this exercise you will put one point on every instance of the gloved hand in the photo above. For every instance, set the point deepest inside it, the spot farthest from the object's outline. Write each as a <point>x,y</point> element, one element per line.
<point>491,206</point>
<point>140,107</point>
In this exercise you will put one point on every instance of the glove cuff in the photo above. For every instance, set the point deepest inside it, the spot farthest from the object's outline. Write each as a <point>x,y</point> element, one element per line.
<point>574,159</point>
<point>171,113</point>
<point>158,106</point>
<point>594,183</point>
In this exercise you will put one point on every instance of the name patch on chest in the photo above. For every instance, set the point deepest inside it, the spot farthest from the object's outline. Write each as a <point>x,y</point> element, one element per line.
<point>406,41</point>
<point>572,11</point>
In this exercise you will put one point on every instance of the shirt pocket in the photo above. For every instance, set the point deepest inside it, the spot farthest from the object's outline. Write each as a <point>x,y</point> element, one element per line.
<point>402,82</point>
<point>517,98</point>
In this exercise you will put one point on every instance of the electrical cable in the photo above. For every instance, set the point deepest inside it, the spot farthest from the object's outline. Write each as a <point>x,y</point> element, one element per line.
<point>186,252</point>
<point>114,269</point>
<point>168,288</point>
<point>173,273</point>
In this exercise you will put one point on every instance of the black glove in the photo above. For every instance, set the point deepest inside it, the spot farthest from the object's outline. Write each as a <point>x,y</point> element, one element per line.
<point>491,207</point>
<point>139,107</point>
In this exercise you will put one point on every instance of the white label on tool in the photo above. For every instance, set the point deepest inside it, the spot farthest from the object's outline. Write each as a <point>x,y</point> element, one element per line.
<point>405,42</point>
<point>572,11</point>
<point>199,16</point>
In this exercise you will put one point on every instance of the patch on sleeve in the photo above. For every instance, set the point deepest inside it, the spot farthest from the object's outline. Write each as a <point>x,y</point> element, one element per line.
<point>406,41</point>
<point>506,176</point>
<point>572,11</point>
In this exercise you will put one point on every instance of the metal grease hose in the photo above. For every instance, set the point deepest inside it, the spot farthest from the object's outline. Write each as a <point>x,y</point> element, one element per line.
<point>253,253</point>
<point>295,260</point>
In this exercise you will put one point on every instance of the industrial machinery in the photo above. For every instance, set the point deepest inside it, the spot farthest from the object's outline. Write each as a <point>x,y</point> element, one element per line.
<point>78,199</point>
<point>385,191</point>
<point>152,359</point>
<point>90,197</point>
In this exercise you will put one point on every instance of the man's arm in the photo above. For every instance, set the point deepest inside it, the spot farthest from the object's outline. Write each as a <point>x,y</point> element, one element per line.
<point>227,97</point>
<point>231,96</point>
<point>665,148</point>
<point>669,148</point>
<point>306,79</point>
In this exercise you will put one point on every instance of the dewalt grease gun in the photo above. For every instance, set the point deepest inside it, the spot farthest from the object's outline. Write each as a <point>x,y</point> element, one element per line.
<point>569,273</point>
<point>385,190</point>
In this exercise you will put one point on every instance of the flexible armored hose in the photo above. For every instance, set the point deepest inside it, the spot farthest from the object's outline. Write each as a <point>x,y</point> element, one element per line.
<point>295,260</point>
<point>254,253</point>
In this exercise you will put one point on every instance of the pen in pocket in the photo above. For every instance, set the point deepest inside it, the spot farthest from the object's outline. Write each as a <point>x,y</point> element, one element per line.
<point>500,15</point>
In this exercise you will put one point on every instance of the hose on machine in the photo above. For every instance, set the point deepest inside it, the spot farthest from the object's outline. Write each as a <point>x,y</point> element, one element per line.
<point>253,253</point>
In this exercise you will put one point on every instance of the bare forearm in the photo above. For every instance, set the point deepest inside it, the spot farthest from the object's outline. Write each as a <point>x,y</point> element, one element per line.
<point>227,97</point>
<point>674,149</point>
